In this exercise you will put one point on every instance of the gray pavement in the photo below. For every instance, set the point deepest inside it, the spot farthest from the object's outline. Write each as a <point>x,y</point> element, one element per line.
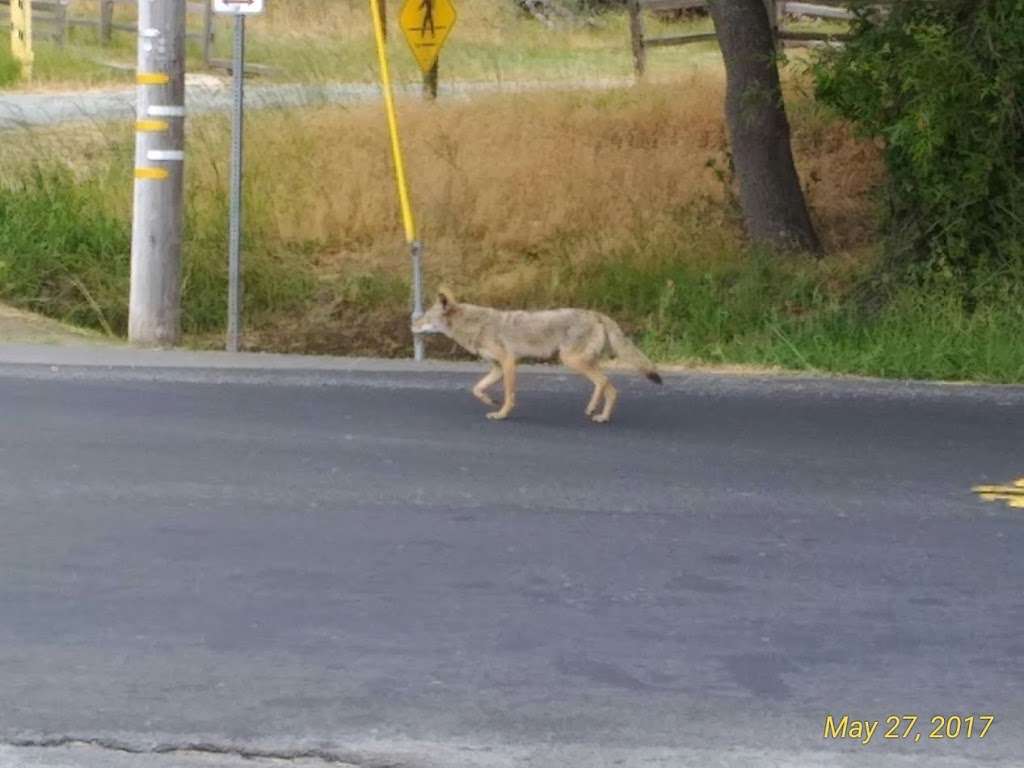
<point>214,560</point>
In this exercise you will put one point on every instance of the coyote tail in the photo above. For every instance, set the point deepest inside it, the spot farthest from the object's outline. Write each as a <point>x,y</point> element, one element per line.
<point>626,350</point>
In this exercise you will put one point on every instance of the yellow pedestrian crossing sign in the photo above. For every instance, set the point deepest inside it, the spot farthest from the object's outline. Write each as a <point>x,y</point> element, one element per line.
<point>426,24</point>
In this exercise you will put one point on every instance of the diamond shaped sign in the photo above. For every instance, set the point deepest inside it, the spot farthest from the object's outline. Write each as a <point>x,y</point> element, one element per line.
<point>426,24</point>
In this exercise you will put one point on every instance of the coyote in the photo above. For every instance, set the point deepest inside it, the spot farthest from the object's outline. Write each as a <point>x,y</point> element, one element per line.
<point>580,338</point>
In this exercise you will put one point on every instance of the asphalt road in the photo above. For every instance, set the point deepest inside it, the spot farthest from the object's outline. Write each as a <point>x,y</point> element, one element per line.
<point>203,564</point>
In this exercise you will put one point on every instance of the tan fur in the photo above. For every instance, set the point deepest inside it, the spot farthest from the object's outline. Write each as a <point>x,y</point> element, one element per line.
<point>579,337</point>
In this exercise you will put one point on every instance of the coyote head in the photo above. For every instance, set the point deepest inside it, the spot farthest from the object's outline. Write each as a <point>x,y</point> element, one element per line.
<point>436,319</point>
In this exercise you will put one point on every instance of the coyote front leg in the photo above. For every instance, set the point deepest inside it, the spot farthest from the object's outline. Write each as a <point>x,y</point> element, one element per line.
<point>508,370</point>
<point>611,394</point>
<point>480,390</point>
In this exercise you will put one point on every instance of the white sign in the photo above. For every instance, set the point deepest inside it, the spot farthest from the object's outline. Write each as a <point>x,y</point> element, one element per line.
<point>238,7</point>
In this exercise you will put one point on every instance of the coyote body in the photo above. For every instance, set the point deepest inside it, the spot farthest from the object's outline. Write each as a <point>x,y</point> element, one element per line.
<point>579,337</point>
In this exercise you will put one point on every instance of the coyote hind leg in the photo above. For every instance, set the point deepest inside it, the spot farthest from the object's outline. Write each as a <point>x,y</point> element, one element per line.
<point>492,377</point>
<point>602,387</point>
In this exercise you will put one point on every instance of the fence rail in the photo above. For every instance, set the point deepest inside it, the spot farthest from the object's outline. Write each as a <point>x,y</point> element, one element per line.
<point>55,17</point>
<point>778,12</point>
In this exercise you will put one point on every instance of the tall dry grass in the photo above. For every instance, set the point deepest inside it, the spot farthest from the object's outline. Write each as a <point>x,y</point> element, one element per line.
<point>520,199</point>
<point>501,184</point>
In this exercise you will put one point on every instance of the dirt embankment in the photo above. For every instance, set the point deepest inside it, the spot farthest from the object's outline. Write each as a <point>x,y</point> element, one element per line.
<point>18,327</point>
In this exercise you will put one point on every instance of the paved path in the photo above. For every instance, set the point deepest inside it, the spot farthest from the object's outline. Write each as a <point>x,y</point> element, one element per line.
<point>211,558</point>
<point>27,110</point>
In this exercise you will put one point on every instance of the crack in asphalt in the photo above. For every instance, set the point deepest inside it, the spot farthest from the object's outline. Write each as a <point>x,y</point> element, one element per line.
<point>205,748</point>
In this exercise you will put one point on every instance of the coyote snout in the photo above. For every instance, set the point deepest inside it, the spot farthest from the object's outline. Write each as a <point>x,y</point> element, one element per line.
<point>580,337</point>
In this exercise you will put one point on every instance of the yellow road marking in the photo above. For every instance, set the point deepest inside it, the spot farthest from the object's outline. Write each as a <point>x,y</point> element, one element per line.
<point>1012,495</point>
<point>1006,490</point>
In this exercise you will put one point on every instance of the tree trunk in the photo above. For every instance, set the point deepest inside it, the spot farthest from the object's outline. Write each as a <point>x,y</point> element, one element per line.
<point>774,208</point>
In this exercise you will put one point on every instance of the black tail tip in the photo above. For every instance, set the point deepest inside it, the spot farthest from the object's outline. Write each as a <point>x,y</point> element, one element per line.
<point>655,377</point>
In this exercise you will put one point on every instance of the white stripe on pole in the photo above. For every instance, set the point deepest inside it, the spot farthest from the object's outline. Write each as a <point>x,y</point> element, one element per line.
<point>164,110</point>
<point>165,154</point>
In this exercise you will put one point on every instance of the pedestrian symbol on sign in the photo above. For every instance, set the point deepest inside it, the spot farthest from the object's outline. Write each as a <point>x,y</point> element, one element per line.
<point>427,6</point>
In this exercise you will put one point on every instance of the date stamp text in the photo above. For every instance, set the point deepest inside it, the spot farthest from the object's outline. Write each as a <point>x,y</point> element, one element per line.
<point>913,728</point>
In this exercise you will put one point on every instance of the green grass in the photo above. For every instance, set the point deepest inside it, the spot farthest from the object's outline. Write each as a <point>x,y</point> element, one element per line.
<point>489,42</point>
<point>76,65</point>
<point>760,310</point>
<point>10,68</point>
<point>59,258</point>
<point>71,66</point>
<point>63,255</point>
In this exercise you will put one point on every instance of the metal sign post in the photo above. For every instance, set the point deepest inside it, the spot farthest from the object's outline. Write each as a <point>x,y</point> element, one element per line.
<point>237,154</point>
<point>239,9</point>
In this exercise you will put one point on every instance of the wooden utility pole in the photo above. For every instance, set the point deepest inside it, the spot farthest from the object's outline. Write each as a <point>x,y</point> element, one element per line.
<point>155,303</point>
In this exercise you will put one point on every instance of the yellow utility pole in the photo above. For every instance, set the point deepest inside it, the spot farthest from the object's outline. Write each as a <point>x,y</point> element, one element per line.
<point>408,222</point>
<point>21,35</point>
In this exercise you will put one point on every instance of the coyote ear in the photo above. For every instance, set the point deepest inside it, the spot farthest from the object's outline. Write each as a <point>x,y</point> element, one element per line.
<point>444,298</point>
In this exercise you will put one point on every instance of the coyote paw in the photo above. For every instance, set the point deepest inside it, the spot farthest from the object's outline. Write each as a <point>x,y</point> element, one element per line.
<point>600,419</point>
<point>497,415</point>
<point>485,399</point>
<point>591,410</point>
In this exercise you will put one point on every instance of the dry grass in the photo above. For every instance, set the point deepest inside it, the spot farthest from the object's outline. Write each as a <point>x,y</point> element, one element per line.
<point>516,196</point>
<point>501,182</point>
<point>499,175</point>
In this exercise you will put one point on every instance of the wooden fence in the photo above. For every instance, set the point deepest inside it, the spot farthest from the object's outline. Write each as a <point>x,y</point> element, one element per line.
<point>778,12</point>
<point>51,20</point>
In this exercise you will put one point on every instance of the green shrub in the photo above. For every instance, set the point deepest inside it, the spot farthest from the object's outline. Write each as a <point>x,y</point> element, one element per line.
<point>941,83</point>
<point>60,255</point>
<point>790,314</point>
